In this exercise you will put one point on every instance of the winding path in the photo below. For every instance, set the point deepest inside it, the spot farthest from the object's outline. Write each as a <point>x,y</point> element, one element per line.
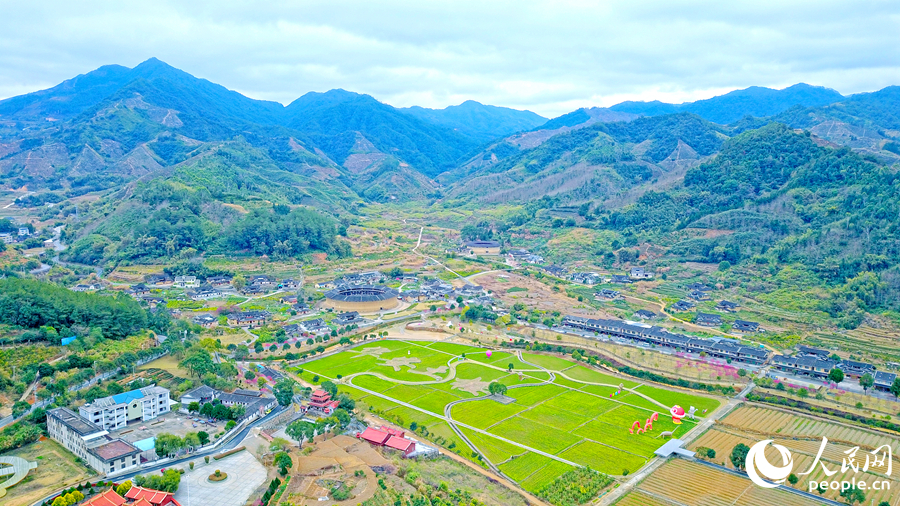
<point>455,425</point>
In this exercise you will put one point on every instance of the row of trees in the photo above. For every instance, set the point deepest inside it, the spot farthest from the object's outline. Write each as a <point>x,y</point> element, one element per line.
<point>168,481</point>
<point>215,409</point>
<point>170,444</point>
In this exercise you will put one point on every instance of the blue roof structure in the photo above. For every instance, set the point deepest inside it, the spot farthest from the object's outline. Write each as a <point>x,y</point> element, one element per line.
<point>126,397</point>
<point>145,444</point>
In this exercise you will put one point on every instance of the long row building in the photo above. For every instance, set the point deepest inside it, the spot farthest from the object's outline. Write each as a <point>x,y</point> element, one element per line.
<point>817,363</point>
<point>720,348</point>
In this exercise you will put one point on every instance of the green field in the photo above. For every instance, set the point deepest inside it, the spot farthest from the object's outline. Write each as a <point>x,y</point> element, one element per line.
<point>579,419</point>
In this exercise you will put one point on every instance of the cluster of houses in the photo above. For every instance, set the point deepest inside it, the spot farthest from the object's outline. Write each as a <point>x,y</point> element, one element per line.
<point>315,327</point>
<point>248,319</point>
<point>13,237</point>
<point>720,348</point>
<point>356,279</point>
<point>254,402</point>
<point>440,290</point>
<point>524,256</point>
<point>817,363</point>
<point>593,278</point>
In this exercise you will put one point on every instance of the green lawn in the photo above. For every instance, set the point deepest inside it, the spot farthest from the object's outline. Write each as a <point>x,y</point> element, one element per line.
<point>545,475</point>
<point>572,419</point>
<point>495,450</point>
<point>597,456</point>
<point>685,400</point>
<point>483,414</point>
<point>520,468</point>
<point>548,361</point>
<point>582,373</point>
<point>563,420</point>
<point>536,435</point>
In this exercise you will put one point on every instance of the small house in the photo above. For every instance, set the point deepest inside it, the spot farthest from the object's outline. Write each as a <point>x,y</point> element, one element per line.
<point>708,320</point>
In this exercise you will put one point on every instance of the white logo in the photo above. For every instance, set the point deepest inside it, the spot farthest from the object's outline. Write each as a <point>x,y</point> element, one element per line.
<point>757,464</point>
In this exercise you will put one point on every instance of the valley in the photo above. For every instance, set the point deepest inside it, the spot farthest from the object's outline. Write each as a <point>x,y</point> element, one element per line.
<point>496,295</point>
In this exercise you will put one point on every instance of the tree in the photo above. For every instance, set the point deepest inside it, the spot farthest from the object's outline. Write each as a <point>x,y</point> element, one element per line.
<point>193,407</point>
<point>496,388</point>
<point>238,282</point>
<point>793,479</point>
<point>123,488</point>
<point>168,444</point>
<point>203,436</point>
<point>283,462</point>
<point>241,352</point>
<point>803,393</point>
<point>866,381</point>
<point>249,375</point>
<point>509,367</point>
<point>853,494</point>
<point>739,455</point>
<point>284,391</point>
<point>20,407</point>
<point>895,387</point>
<point>199,362</point>
<point>260,382</point>
<point>329,387</point>
<point>191,439</point>
<point>836,375</point>
<point>710,453</point>
<point>742,372</point>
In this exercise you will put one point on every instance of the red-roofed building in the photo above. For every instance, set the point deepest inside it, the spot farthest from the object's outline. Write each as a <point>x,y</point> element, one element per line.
<point>143,502</point>
<point>375,436</point>
<point>154,497</point>
<point>321,400</point>
<point>404,445</point>
<point>108,498</point>
<point>393,432</point>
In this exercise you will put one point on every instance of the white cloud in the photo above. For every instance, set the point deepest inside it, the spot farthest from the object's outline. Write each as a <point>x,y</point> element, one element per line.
<point>545,56</point>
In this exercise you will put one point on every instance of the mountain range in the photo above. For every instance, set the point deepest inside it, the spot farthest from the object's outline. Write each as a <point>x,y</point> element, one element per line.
<point>115,125</point>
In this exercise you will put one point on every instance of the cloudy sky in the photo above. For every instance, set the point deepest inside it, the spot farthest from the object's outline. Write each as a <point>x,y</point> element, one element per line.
<point>549,57</point>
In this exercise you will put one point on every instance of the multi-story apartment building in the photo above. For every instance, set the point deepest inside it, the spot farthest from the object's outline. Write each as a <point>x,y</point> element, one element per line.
<point>91,443</point>
<point>115,411</point>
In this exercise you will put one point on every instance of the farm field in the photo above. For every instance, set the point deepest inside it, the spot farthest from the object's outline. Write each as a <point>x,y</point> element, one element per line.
<point>803,437</point>
<point>579,419</point>
<point>681,482</point>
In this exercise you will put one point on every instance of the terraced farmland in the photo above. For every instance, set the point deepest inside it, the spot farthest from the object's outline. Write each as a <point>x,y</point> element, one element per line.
<point>803,437</point>
<point>682,482</point>
<point>577,419</point>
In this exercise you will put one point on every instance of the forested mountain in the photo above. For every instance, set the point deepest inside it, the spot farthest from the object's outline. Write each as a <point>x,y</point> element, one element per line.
<point>596,160</point>
<point>335,119</point>
<point>753,101</point>
<point>484,122</point>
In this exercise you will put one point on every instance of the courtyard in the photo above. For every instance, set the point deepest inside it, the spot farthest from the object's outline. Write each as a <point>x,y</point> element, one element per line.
<point>245,474</point>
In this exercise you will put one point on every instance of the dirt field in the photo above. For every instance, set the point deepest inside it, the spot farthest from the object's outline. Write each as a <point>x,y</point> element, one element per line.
<point>167,363</point>
<point>536,295</point>
<point>335,460</point>
<point>56,468</point>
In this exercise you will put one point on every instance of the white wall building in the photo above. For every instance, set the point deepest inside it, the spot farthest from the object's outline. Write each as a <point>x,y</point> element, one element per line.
<point>115,411</point>
<point>91,443</point>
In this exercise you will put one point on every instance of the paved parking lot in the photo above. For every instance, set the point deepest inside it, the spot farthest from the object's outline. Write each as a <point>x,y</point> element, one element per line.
<point>245,474</point>
<point>170,423</point>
